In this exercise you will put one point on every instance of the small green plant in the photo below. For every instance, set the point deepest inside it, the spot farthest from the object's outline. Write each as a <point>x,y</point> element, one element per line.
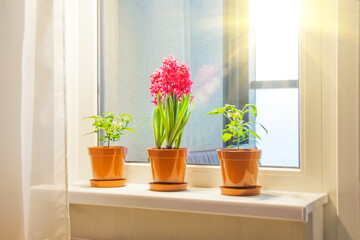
<point>238,129</point>
<point>110,126</point>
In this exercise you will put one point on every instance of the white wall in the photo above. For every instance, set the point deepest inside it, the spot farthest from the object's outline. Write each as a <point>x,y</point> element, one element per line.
<point>348,224</point>
<point>100,223</point>
<point>11,32</point>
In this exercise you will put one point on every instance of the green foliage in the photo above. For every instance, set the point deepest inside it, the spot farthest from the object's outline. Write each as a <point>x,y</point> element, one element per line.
<point>238,129</point>
<point>111,126</point>
<point>170,118</point>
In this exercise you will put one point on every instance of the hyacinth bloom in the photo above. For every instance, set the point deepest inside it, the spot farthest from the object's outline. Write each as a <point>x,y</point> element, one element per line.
<point>172,78</point>
<point>171,89</point>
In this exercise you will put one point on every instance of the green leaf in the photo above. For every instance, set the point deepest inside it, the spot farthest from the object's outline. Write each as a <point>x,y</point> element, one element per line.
<point>178,141</point>
<point>129,129</point>
<point>226,137</point>
<point>253,133</point>
<point>263,128</point>
<point>158,128</point>
<point>162,113</point>
<point>154,122</point>
<point>127,115</point>
<point>95,131</point>
<point>229,107</point>
<point>213,112</point>
<point>90,117</point>
<point>169,112</point>
<point>183,107</point>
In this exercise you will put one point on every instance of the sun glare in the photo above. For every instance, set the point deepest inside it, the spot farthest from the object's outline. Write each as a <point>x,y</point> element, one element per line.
<point>277,34</point>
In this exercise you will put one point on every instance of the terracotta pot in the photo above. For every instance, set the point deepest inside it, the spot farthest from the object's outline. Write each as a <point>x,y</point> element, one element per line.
<point>107,162</point>
<point>168,165</point>
<point>239,167</point>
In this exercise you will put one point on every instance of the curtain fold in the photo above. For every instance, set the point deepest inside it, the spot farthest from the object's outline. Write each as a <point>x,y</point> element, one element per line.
<point>43,122</point>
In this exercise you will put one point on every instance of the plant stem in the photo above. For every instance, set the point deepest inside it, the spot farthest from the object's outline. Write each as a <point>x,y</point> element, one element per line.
<point>238,143</point>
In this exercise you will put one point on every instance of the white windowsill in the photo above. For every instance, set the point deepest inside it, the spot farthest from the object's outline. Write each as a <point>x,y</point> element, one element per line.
<point>291,206</point>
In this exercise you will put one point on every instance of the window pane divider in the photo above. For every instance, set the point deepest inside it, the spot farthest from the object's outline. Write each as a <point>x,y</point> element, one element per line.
<point>275,84</point>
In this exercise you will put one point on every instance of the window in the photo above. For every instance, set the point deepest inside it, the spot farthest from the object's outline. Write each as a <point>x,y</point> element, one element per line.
<point>238,52</point>
<point>315,100</point>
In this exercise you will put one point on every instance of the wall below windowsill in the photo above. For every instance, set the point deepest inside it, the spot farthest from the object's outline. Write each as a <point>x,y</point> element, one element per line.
<point>290,206</point>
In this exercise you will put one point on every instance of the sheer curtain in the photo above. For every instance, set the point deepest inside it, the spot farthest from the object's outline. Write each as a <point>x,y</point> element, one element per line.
<point>39,202</point>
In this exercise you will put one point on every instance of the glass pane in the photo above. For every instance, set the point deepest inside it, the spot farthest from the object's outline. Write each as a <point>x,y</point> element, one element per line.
<point>279,112</point>
<point>277,23</point>
<point>277,58</point>
<point>137,36</point>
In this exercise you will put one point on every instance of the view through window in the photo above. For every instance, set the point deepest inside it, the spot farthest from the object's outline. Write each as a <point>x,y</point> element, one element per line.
<point>238,52</point>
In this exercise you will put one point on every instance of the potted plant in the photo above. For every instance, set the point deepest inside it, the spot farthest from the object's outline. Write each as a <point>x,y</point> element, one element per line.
<point>239,167</point>
<point>171,89</point>
<point>108,161</point>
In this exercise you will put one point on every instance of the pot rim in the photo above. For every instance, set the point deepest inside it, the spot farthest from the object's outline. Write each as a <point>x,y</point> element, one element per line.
<point>103,150</point>
<point>243,150</point>
<point>166,149</point>
<point>105,147</point>
<point>166,153</point>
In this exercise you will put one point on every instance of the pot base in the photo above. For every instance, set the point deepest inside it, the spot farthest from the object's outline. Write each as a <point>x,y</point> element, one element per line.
<point>108,183</point>
<point>168,187</point>
<point>240,191</point>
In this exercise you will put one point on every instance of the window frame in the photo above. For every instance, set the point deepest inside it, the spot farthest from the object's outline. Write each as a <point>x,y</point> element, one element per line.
<point>307,178</point>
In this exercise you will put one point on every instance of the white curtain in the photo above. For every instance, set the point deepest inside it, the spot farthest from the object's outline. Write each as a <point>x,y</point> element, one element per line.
<point>33,176</point>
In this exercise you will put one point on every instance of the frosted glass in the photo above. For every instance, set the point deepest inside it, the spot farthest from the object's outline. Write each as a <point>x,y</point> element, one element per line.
<point>279,112</point>
<point>137,36</point>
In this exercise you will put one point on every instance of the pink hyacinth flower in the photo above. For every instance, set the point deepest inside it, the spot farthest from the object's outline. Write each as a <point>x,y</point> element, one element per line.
<point>172,78</point>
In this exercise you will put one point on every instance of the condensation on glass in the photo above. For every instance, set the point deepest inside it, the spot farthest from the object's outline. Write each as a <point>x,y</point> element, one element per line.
<point>134,37</point>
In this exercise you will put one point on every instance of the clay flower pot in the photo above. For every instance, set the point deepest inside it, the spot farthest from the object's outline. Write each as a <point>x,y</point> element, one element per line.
<point>107,165</point>
<point>239,169</point>
<point>168,168</point>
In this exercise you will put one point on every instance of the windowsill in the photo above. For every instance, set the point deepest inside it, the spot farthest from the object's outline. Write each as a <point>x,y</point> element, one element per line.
<point>290,206</point>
